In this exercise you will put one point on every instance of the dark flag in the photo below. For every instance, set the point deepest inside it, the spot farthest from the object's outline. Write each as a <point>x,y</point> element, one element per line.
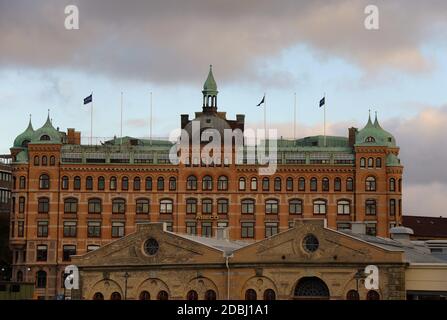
<point>262,101</point>
<point>88,99</point>
<point>322,102</point>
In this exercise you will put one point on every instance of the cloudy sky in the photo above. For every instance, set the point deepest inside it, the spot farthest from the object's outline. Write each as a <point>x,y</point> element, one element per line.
<point>255,46</point>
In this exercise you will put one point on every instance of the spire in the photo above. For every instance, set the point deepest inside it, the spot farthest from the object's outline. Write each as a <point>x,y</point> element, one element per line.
<point>369,124</point>
<point>30,124</point>
<point>376,123</point>
<point>210,93</point>
<point>48,122</point>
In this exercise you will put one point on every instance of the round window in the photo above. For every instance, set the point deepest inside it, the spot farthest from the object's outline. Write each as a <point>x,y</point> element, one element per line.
<point>310,243</point>
<point>151,246</point>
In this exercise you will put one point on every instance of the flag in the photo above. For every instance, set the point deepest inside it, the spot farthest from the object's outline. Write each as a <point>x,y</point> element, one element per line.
<point>88,99</point>
<point>322,102</point>
<point>262,101</point>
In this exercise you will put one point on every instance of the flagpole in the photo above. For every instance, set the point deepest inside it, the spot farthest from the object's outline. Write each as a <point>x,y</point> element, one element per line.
<point>294,117</point>
<point>265,117</point>
<point>121,131</point>
<point>91,122</point>
<point>150,133</point>
<point>324,112</point>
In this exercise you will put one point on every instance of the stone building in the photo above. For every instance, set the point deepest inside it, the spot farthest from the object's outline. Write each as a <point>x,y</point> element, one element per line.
<point>69,198</point>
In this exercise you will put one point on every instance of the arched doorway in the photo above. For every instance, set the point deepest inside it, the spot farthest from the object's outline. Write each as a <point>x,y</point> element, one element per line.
<point>311,288</point>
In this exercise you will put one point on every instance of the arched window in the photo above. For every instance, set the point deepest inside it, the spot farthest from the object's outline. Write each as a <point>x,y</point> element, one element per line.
<point>36,160</point>
<point>370,184</point>
<point>43,205</point>
<point>343,207</point>
<point>277,184</point>
<point>52,161</point>
<point>265,184</point>
<point>378,162</point>
<point>166,206</point>
<point>349,184</point>
<point>119,206</point>
<point>144,295</point>
<point>370,139</point>
<point>269,294</point>
<point>148,184</point>
<point>101,183</point>
<point>370,163</point>
<point>94,205</point>
<point>222,183</point>
<point>362,162</point>
<point>319,206</point>
<point>207,206</point>
<point>65,183</point>
<point>162,295</point>
<point>248,206</point>
<point>112,184</point>
<point>19,277</point>
<point>311,288</point>
<point>313,184</point>
<point>289,184</point>
<point>44,181</point>
<point>352,295</point>
<point>271,206</point>
<point>242,184</point>
<point>142,206</point>
<point>172,184</point>
<point>372,295</point>
<point>45,137</point>
<point>89,183</point>
<point>192,295</point>
<point>337,184</point>
<point>191,183</point>
<point>210,295</point>
<point>44,161</point>
<point>301,184</point>
<point>295,206</point>
<point>125,183</point>
<point>115,296</point>
<point>22,182</point>
<point>392,185</point>
<point>160,184</point>
<point>371,207</point>
<point>98,296</point>
<point>71,205</point>
<point>250,294</point>
<point>41,279</point>
<point>136,184</point>
<point>222,206</point>
<point>207,183</point>
<point>191,206</point>
<point>77,183</point>
<point>254,184</point>
<point>325,184</point>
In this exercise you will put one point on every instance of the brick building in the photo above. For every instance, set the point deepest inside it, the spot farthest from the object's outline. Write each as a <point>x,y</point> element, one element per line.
<point>5,210</point>
<point>70,198</point>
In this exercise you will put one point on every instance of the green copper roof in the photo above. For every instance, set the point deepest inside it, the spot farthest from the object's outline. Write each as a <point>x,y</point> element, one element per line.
<point>210,86</point>
<point>392,160</point>
<point>374,135</point>
<point>22,157</point>
<point>47,134</point>
<point>25,137</point>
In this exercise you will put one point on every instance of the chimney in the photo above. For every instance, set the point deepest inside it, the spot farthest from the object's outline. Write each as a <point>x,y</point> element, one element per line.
<point>352,133</point>
<point>184,120</point>
<point>358,227</point>
<point>401,234</point>
<point>222,233</point>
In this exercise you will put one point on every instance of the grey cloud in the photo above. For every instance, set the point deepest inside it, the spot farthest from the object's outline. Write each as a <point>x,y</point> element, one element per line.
<point>173,41</point>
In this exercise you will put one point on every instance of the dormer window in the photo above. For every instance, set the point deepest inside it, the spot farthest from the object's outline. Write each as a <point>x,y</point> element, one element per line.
<point>45,137</point>
<point>370,139</point>
<point>25,143</point>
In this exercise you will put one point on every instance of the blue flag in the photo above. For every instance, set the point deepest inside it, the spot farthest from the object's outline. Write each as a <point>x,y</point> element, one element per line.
<point>88,99</point>
<point>322,102</point>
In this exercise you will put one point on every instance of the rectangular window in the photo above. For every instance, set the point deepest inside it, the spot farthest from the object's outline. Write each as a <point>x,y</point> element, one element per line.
<point>42,228</point>
<point>191,228</point>
<point>117,229</point>
<point>207,206</point>
<point>271,228</point>
<point>371,229</point>
<point>94,229</point>
<point>70,229</point>
<point>41,253</point>
<point>371,207</point>
<point>20,229</point>
<point>392,208</point>
<point>68,251</point>
<point>222,206</point>
<point>207,229</point>
<point>21,205</point>
<point>247,230</point>
<point>343,226</point>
